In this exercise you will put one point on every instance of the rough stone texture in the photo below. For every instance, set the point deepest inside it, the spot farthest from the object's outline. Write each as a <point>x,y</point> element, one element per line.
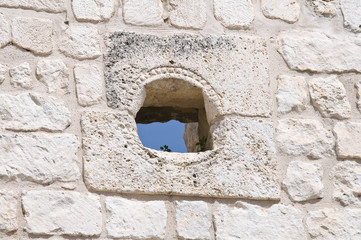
<point>8,211</point>
<point>334,224</point>
<point>3,72</point>
<point>115,160</point>
<point>89,84</point>
<point>191,136</point>
<point>246,221</point>
<point>60,212</point>
<point>54,74</point>
<point>292,94</point>
<point>347,145</point>
<point>234,14</point>
<point>5,31</point>
<point>193,220</point>
<point>329,97</point>
<point>39,157</point>
<point>143,12</point>
<point>32,112</point>
<point>33,34</point>
<point>286,10</point>
<point>324,8</point>
<point>135,220</point>
<point>93,10</point>
<point>21,76</point>
<point>351,14</point>
<point>188,13</point>
<point>37,5</point>
<point>304,137</point>
<point>358,87</point>
<point>304,181</point>
<point>80,42</point>
<point>314,51</point>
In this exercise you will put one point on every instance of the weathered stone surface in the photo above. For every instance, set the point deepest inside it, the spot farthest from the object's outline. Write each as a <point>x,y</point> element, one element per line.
<point>334,224</point>
<point>246,221</point>
<point>193,220</point>
<point>39,157</point>
<point>143,12</point>
<point>33,34</point>
<point>188,14</point>
<point>329,97</point>
<point>304,137</point>
<point>286,10</point>
<point>351,14</point>
<point>191,136</point>
<point>8,211</point>
<point>324,8</point>
<point>304,181</point>
<point>93,10</point>
<point>89,84</point>
<point>54,74</point>
<point>80,42</point>
<point>292,94</point>
<point>347,145</point>
<point>37,5</point>
<point>62,212</point>
<point>234,14</point>
<point>314,51</point>
<point>135,220</point>
<point>358,87</point>
<point>3,72</point>
<point>21,76</point>
<point>346,178</point>
<point>5,31</point>
<point>32,112</point>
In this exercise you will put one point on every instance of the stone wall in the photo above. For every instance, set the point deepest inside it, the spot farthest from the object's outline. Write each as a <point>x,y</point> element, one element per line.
<point>282,94</point>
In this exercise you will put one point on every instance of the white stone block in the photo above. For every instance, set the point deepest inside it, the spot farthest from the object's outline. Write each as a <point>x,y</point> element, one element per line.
<point>286,10</point>
<point>351,14</point>
<point>5,31</point>
<point>21,76</point>
<point>54,6</point>
<point>347,135</point>
<point>54,74</point>
<point>3,71</point>
<point>8,211</point>
<point>143,12</point>
<point>234,14</point>
<point>188,13</point>
<point>93,10</point>
<point>324,8</point>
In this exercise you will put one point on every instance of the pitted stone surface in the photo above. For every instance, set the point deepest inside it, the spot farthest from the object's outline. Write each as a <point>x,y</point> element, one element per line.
<point>3,71</point>
<point>334,224</point>
<point>286,10</point>
<point>8,211</point>
<point>80,42</point>
<point>234,14</point>
<point>292,94</point>
<point>329,97</point>
<point>39,157</point>
<point>136,220</point>
<point>62,212</point>
<point>54,74</point>
<point>89,84</point>
<point>188,13</point>
<point>32,112</point>
<point>324,8</point>
<point>304,181</point>
<point>21,76</point>
<point>112,151</point>
<point>351,14</point>
<point>358,87</point>
<point>37,5</point>
<point>193,220</point>
<point>246,221</point>
<point>5,31</point>
<point>318,52</point>
<point>93,10</point>
<point>304,137</point>
<point>347,145</point>
<point>34,34</point>
<point>143,12</point>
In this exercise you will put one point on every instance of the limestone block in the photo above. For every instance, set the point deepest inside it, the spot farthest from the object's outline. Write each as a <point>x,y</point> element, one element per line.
<point>93,10</point>
<point>62,212</point>
<point>318,52</point>
<point>188,14</point>
<point>246,221</point>
<point>193,220</point>
<point>8,211</point>
<point>5,31</point>
<point>329,97</point>
<point>334,224</point>
<point>286,10</point>
<point>135,220</point>
<point>89,84</point>
<point>234,14</point>
<point>304,181</point>
<point>21,76</point>
<point>143,12</point>
<point>347,145</point>
<point>32,112</point>
<point>39,157</point>
<point>292,94</point>
<point>351,15</point>
<point>3,72</point>
<point>54,74</point>
<point>324,8</point>
<point>33,34</point>
<point>54,6</point>
<point>358,87</point>
<point>190,136</point>
<point>304,137</point>
<point>80,42</point>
